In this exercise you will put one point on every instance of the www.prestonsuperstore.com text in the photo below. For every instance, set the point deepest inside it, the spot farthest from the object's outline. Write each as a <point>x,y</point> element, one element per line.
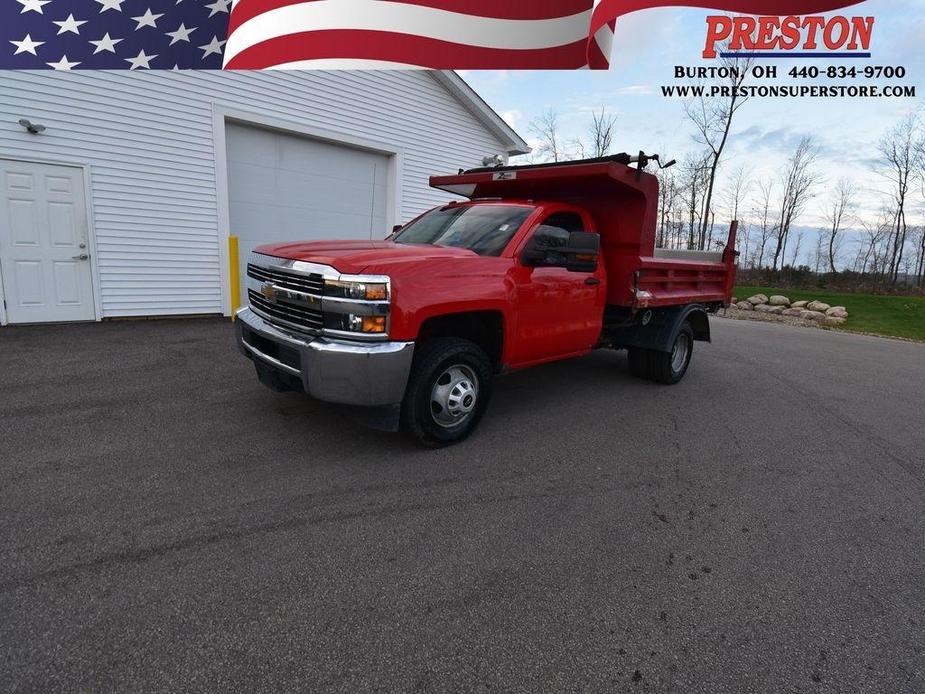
<point>838,81</point>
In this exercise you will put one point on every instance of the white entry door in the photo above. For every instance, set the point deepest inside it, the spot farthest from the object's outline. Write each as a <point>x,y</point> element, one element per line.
<point>44,256</point>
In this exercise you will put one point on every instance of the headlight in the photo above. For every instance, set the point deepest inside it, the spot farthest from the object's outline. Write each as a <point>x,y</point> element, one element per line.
<point>369,291</point>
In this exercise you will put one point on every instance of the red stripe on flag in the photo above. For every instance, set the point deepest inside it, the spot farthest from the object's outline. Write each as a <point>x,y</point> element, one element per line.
<point>596,58</point>
<point>402,48</point>
<point>495,9</point>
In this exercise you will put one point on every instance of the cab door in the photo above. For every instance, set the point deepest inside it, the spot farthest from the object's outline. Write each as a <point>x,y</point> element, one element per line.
<point>558,312</point>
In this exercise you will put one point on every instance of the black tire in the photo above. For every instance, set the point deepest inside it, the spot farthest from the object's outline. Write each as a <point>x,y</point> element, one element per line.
<point>639,360</point>
<point>439,414</point>
<point>669,367</point>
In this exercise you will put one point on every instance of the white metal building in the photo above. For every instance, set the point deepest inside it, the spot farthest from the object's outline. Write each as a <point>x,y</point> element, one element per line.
<point>123,205</point>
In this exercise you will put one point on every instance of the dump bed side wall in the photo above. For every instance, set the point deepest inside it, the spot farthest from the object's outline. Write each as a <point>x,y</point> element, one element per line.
<point>626,223</point>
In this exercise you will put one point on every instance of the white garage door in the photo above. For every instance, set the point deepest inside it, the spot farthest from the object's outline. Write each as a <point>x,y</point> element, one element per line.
<point>284,187</point>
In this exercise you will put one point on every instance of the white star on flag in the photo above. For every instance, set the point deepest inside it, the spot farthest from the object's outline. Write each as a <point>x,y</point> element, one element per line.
<point>69,25</point>
<point>27,45</point>
<point>105,44</point>
<point>110,5</point>
<point>181,34</point>
<point>214,46</point>
<point>147,19</point>
<point>85,34</point>
<point>63,64</point>
<point>140,60</point>
<point>33,5</point>
<point>218,6</point>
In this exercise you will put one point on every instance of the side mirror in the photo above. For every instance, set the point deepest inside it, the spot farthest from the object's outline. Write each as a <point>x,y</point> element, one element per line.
<point>553,247</point>
<point>397,228</point>
<point>583,250</point>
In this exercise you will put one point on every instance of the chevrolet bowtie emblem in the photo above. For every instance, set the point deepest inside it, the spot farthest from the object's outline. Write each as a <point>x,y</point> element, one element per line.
<point>269,292</point>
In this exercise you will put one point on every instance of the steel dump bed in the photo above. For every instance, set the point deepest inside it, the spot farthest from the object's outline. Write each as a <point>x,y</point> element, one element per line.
<point>623,202</point>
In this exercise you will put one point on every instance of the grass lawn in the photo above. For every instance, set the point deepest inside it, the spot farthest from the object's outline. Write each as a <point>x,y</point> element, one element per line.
<point>894,316</point>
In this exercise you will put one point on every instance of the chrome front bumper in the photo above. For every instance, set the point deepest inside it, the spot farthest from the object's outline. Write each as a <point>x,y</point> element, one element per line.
<point>349,373</point>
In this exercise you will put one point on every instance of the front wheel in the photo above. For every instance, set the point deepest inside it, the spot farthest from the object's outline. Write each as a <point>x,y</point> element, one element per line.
<point>669,367</point>
<point>448,391</point>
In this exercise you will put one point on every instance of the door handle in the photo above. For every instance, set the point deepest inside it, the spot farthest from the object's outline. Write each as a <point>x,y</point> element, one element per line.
<point>592,281</point>
<point>82,256</point>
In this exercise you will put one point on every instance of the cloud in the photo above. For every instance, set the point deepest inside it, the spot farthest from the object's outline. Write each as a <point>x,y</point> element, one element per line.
<point>784,140</point>
<point>608,110</point>
<point>636,90</point>
<point>512,117</point>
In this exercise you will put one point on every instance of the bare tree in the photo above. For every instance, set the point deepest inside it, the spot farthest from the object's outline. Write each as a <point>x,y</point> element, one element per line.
<point>902,151</point>
<point>799,179</point>
<point>603,128</point>
<point>840,206</point>
<point>762,214</point>
<point>820,251</point>
<point>693,183</point>
<point>546,129</point>
<point>796,249</point>
<point>667,206</point>
<point>712,117</point>
<point>739,186</point>
<point>919,235</point>
<point>744,241</point>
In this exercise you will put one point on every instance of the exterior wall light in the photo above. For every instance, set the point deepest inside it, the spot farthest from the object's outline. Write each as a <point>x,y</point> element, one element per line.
<point>31,128</point>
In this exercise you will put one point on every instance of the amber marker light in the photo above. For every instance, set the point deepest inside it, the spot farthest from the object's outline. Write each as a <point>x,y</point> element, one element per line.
<point>376,292</point>
<point>373,324</point>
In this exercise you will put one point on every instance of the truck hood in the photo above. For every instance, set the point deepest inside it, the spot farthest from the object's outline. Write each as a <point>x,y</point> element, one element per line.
<point>353,257</point>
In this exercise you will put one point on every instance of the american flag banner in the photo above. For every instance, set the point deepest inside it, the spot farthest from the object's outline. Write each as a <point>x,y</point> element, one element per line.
<point>449,34</point>
<point>260,34</point>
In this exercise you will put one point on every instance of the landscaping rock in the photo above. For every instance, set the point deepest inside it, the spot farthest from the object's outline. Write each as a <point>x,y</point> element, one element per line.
<point>765,308</point>
<point>813,315</point>
<point>758,300</point>
<point>778,308</point>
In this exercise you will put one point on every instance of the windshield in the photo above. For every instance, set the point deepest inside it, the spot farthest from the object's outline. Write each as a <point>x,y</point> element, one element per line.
<point>484,229</point>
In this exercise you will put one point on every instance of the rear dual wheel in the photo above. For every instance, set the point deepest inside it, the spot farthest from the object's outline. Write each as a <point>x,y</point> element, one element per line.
<point>664,367</point>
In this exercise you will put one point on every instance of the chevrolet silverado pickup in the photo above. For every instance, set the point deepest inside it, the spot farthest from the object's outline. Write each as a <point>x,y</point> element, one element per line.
<point>534,264</point>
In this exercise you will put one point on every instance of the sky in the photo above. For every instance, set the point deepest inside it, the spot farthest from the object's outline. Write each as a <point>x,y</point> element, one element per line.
<point>648,44</point>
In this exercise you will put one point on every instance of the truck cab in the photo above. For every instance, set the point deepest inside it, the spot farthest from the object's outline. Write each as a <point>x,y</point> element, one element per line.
<point>538,264</point>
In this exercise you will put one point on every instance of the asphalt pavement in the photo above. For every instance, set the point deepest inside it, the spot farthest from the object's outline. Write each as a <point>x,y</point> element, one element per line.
<point>168,524</point>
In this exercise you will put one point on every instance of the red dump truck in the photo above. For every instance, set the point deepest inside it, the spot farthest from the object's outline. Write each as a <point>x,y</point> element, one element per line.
<point>538,263</point>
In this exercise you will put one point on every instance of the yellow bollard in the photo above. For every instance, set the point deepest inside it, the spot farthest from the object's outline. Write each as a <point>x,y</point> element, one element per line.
<point>234,274</point>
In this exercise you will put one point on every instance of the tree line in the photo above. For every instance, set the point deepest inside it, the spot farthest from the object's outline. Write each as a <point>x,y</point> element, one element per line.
<point>888,250</point>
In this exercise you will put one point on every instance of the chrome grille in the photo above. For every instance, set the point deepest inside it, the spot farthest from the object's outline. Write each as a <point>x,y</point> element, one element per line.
<point>311,284</point>
<point>286,312</point>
